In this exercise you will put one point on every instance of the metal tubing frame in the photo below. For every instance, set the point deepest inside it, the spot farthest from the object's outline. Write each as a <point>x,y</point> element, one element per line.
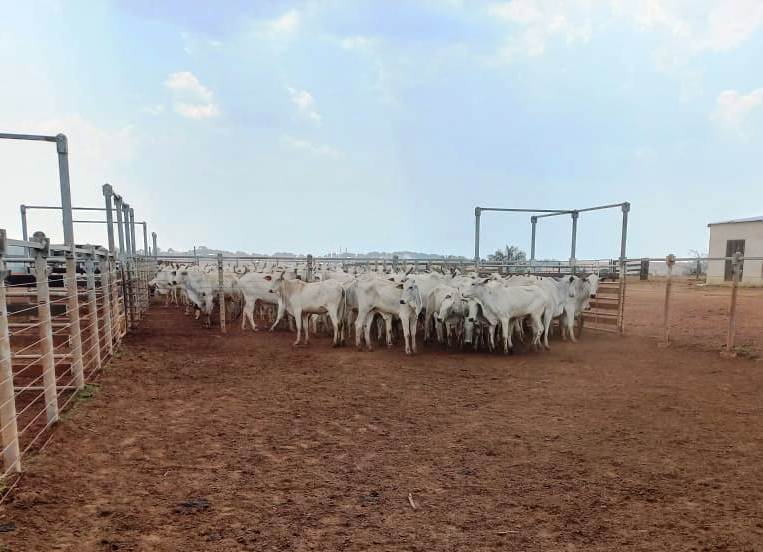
<point>624,206</point>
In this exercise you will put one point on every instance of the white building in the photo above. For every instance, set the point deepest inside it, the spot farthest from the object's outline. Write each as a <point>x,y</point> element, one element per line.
<point>728,237</point>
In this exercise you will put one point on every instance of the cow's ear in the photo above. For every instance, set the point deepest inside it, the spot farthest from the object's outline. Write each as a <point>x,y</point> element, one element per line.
<point>268,277</point>
<point>391,279</point>
<point>485,281</point>
<point>399,286</point>
<point>447,297</point>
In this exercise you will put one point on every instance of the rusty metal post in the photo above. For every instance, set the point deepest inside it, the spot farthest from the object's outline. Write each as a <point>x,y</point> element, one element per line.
<point>736,265</point>
<point>9,438</point>
<point>221,291</point>
<point>670,260</point>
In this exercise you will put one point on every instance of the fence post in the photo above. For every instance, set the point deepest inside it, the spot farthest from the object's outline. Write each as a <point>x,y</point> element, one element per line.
<point>221,291</point>
<point>92,309</point>
<point>309,275</point>
<point>72,307</point>
<point>8,421</point>
<point>670,260</point>
<point>736,265</point>
<point>47,360</point>
<point>104,266</point>
<point>394,263</point>
<point>621,306</point>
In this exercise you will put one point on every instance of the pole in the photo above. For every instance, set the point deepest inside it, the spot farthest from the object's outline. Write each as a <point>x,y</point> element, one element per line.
<point>575,215</point>
<point>72,308</point>
<point>66,195</point>
<point>670,260</point>
<point>107,193</point>
<point>221,291</point>
<point>126,218</point>
<point>132,233</point>
<point>309,275</point>
<point>534,222</point>
<point>731,335</point>
<point>145,240</point>
<point>47,360</point>
<point>104,266</point>
<point>626,207</point>
<point>92,310</point>
<point>120,228</point>
<point>156,251</point>
<point>24,230</point>
<point>8,422</point>
<point>477,212</point>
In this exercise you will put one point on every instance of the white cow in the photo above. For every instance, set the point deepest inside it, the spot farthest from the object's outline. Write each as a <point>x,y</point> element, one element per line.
<point>255,286</point>
<point>301,299</point>
<point>501,304</point>
<point>388,299</point>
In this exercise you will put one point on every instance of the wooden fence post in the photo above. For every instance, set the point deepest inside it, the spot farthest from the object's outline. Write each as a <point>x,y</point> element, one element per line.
<point>47,360</point>
<point>92,310</point>
<point>221,291</point>
<point>309,275</point>
<point>8,421</point>
<point>72,307</point>
<point>104,267</point>
<point>670,260</point>
<point>731,335</point>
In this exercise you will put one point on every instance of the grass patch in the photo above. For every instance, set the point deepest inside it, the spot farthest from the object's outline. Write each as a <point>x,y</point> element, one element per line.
<point>746,351</point>
<point>87,392</point>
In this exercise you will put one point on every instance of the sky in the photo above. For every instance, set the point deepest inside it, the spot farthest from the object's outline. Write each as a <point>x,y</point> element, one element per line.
<point>319,126</point>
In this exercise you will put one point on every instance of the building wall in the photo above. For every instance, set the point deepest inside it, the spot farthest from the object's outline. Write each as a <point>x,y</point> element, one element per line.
<point>752,233</point>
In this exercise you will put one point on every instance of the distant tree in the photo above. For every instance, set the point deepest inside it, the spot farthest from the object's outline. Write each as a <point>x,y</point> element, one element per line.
<point>511,253</point>
<point>698,268</point>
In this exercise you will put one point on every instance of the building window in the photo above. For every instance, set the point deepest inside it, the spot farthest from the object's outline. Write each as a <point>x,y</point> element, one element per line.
<point>732,247</point>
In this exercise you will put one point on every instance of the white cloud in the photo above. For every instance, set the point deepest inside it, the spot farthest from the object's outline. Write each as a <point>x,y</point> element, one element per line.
<point>732,109</point>
<point>153,109</point>
<point>279,27</point>
<point>191,98</point>
<point>533,23</point>
<point>197,111</point>
<point>359,42</point>
<point>185,81</point>
<point>305,103</point>
<point>317,149</point>
<point>689,27</point>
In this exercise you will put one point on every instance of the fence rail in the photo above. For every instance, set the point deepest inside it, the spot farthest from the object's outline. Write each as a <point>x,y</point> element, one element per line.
<point>63,313</point>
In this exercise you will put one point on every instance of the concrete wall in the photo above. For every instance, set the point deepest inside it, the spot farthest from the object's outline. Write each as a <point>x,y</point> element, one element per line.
<point>752,233</point>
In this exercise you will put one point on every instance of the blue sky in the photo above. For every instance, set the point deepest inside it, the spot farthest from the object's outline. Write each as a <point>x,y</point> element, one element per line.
<point>314,126</point>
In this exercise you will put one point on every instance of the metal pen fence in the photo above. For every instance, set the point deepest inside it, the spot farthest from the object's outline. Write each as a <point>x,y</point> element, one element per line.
<point>63,313</point>
<point>607,310</point>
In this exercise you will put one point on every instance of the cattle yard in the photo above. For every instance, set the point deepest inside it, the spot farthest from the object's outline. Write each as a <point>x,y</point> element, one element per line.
<point>640,435</point>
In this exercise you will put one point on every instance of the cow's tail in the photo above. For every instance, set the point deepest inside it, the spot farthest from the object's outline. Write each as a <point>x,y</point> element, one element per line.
<point>342,314</point>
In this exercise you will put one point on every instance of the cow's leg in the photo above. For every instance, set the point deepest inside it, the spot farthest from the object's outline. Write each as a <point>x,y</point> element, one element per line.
<point>413,322</point>
<point>298,321</point>
<point>506,327</point>
<point>406,333</point>
<point>571,326</point>
<point>367,327</point>
<point>388,326</point>
<point>359,330</point>
<point>306,326</point>
<point>338,329</point>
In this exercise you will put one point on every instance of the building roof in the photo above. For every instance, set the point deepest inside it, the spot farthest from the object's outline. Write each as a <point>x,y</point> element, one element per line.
<point>735,221</point>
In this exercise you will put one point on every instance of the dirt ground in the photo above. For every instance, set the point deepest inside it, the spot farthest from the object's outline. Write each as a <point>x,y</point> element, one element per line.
<point>699,314</point>
<point>200,442</point>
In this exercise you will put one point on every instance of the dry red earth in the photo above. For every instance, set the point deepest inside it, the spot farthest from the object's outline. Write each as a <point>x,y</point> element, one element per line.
<point>201,442</point>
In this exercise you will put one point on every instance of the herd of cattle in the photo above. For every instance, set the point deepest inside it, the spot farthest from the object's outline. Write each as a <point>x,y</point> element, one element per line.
<point>454,308</point>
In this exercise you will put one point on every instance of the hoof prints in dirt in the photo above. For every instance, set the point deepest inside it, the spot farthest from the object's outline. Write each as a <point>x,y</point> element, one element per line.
<point>192,506</point>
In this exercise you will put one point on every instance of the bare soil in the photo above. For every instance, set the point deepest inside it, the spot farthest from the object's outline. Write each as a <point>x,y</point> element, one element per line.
<point>197,441</point>
<point>698,314</point>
